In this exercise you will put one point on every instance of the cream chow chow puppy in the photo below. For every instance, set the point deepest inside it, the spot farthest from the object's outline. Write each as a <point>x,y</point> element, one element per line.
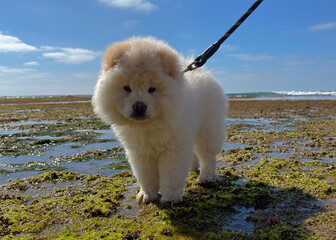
<point>167,121</point>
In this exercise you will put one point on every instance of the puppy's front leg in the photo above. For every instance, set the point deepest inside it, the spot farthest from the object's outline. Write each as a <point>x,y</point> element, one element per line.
<point>173,171</point>
<point>147,175</point>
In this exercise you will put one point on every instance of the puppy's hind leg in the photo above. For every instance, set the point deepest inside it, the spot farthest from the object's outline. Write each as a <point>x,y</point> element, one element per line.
<point>208,144</point>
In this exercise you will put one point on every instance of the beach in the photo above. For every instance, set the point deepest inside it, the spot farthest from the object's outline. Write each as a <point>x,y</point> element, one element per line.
<point>63,175</point>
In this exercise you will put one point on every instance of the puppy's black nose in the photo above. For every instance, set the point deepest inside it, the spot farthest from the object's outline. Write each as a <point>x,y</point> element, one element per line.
<point>139,108</point>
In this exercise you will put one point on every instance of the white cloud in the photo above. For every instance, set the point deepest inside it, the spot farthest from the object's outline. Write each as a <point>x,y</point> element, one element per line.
<point>7,70</point>
<point>140,5</point>
<point>72,55</point>
<point>324,26</point>
<point>66,55</point>
<point>33,63</point>
<point>248,57</point>
<point>13,44</point>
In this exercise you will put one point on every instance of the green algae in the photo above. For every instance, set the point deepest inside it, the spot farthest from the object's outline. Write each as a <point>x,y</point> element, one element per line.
<point>88,210</point>
<point>276,232</point>
<point>315,132</point>
<point>323,224</point>
<point>314,177</point>
<point>237,156</point>
<point>94,197</point>
<point>60,205</point>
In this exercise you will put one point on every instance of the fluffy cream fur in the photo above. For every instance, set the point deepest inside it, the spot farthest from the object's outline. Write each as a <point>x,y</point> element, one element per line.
<point>184,119</point>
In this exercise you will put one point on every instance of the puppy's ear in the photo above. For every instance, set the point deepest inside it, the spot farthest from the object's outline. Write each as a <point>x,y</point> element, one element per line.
<point>113,53</point>
<point>170,63</point>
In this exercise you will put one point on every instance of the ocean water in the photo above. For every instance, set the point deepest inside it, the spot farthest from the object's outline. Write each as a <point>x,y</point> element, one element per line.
<point>271,95</point>
<point>284,95</point>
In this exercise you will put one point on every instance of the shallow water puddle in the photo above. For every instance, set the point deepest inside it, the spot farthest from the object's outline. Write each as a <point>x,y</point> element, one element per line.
<point>331,139</point>
<point>5,177</point>
<point>44,103</point>
<point>238,222</point>
<point>43,156</point>
<point>323,159</point>
<point>5,131</point>
<point>99,146</point>
<point>100,167</point>
<point>222,164</point>
<point>262,124</point>
<point>231,145</point>
<point>65,149</point>
<point>129,206</point>
<point>240,181</point>
<point>15,124</point>
<point>104,134</point>
<point>250,163</point>
<point>46,137</point>
<point>280,154</point>
<point>44,189</point>
<point>34,165</point>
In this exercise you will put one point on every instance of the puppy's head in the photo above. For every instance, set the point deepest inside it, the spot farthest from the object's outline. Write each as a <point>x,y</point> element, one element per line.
<point>139,83</point>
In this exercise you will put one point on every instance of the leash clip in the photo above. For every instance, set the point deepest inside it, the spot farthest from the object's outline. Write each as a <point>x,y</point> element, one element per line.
<point>201,59</point>
<point>191,66</point>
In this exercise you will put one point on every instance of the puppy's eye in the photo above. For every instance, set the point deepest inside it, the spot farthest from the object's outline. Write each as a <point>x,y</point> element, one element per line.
<point>127,89</point>
<point>151,90</point>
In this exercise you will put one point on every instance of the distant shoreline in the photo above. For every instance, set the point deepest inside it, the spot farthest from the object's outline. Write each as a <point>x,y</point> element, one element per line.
<point>273,95</point>
<point>241,94</point>
<point>250,107</point>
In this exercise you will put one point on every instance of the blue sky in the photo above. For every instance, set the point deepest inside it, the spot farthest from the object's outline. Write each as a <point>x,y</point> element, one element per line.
<point>54,47</point>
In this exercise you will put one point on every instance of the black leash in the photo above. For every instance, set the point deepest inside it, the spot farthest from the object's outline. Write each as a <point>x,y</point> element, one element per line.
<point>201,59</point>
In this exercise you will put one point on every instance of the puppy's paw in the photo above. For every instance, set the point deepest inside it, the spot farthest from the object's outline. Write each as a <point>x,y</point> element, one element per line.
<point>144,197</point>
<point>205,178</point>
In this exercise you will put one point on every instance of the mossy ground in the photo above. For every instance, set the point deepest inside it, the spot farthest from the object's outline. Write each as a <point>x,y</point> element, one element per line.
<point>285,179</point>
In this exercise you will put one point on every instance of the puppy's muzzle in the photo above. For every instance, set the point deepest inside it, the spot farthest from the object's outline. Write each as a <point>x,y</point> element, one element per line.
<point>139,110</point>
